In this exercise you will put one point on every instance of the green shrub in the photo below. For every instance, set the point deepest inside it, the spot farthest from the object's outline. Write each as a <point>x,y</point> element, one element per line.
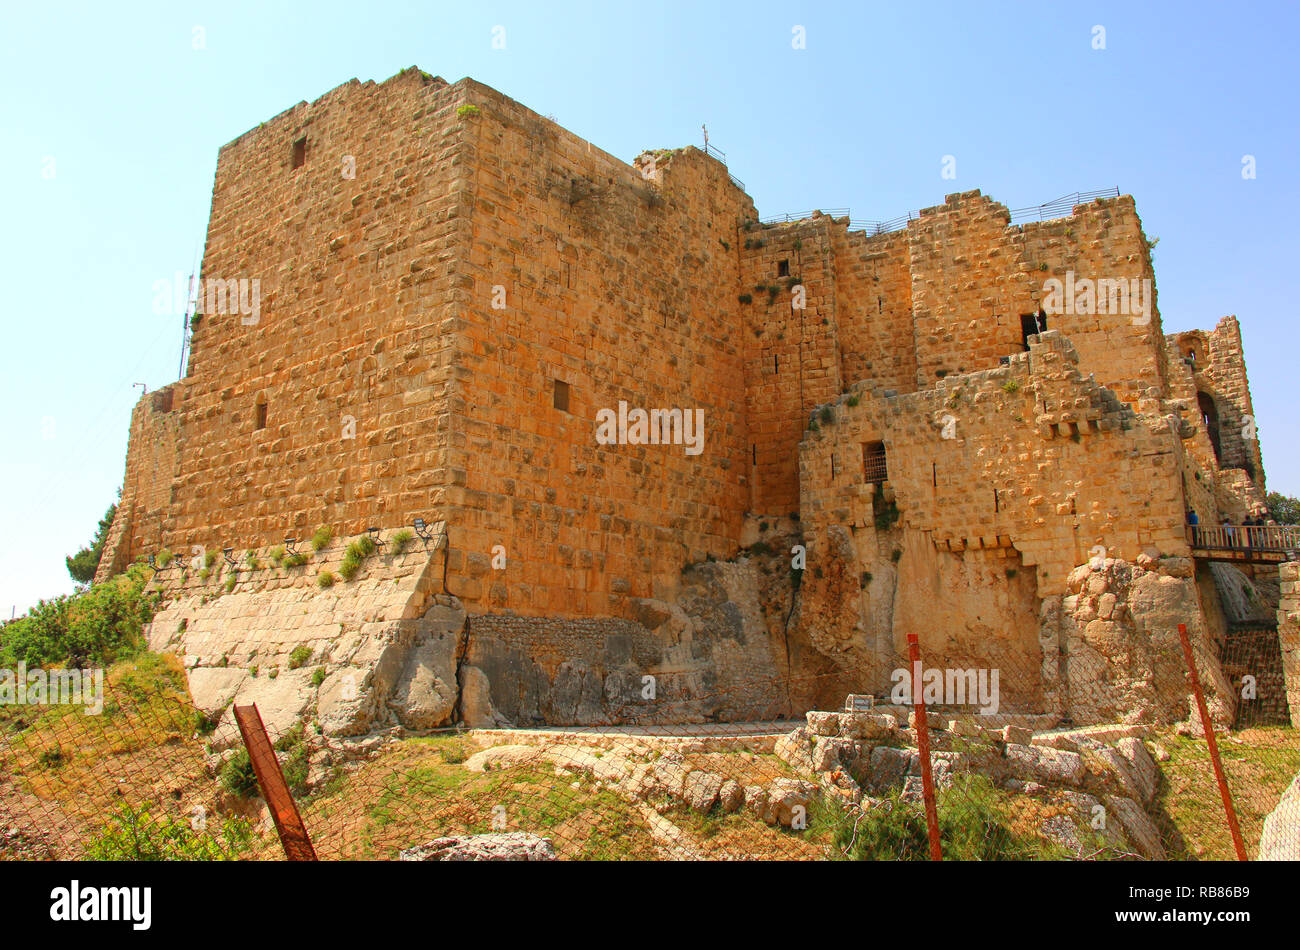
<point>468,111</point>
<point>853,400</point>
<point>299,656</point>
<point>322,538</point>
<point>136,835</point>
<point>348,569</point>
<point>318,676</point>
<point>231,581</point>
<point>1011,386</point>
<point>827,415</point>
<point>973,826</point>
<point>746,298</point>
<point>886,515</point>
<point>94,627</point>
<point>325,579</point>
<point>296,560</point>
<point>209,559</point>
<point>237,775</point>
<point>164,557</point>
<point>277,555</point>
<point>400,540</point>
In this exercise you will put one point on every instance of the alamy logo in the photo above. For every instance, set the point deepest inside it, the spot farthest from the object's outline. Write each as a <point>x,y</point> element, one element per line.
<point>1104,295</point>
<point>38,687</point>
<point>103,903</point>
<point>653,427</point>
<point>210,295</point>
<point>946,687</point>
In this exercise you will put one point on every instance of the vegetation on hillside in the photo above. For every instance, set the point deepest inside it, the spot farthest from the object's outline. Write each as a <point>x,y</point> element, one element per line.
<point>93,627</point>
<point>84,563</point>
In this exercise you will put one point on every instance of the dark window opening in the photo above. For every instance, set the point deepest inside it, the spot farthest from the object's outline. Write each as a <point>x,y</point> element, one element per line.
<point>1031,324</point>
<point>561,395</point>
<point>300,152</point>
<point>261,415</point>
<point>776,363</point>
<point>1210,419</point>
<point>754,451</point>
<point>783,269</point>
<point>874,464</point>
<point>997,505</point>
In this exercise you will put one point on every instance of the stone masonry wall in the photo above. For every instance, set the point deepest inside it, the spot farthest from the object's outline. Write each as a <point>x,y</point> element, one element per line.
<point>350,350</point>
<point>974,275</point>
<point>583,272</point>
<point>1288,634</point>
<point>144,512</point>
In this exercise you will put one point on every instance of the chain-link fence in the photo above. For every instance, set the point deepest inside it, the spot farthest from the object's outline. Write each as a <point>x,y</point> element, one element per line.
<point>1012,769</point>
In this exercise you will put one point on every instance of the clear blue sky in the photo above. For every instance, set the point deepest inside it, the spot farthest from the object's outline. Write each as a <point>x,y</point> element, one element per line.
<point>132,116</point>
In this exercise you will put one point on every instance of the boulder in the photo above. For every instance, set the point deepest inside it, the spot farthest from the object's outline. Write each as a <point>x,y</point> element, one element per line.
<point>1144,768</point>
<point>1041,764</point>
<point>504,846</point>
<point>702,789</point>
<point>1137,825</point>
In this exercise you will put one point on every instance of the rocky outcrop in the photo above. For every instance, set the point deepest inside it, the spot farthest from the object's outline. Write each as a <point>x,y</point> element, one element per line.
<point>1123,657</point>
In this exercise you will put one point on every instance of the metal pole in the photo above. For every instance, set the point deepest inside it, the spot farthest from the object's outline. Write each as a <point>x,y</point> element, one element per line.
<point>1208,726</point>
<point>923,747</point>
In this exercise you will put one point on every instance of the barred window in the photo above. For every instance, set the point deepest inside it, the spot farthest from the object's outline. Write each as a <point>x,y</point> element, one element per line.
<point>874,464</point>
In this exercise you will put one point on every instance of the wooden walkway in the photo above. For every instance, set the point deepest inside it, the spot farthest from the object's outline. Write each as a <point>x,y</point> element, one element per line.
<point>1249,544</point>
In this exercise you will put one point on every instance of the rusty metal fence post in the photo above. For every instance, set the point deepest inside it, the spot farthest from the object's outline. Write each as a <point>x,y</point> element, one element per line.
<point>288,823</point>
<point>1213,745</point>
<point>923,748</point>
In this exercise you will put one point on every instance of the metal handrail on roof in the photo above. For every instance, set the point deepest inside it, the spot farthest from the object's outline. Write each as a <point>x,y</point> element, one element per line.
<point>1056,208</point>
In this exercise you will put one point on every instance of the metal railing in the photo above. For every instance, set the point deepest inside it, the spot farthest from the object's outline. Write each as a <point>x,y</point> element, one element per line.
<point>1246,538</point>
<point>1056,208</point>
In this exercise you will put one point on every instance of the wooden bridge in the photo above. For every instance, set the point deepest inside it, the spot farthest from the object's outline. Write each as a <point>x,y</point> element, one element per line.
<point>1248,543</point>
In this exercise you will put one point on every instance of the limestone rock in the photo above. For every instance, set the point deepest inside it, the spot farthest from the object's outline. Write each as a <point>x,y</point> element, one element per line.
<point>503,846</point>
<point>1041,764</point>
<point>1137,824</point>
<point>1145,770</point>
<point>702,789</point>
<point>1280,839</point>
<point>731,796</point>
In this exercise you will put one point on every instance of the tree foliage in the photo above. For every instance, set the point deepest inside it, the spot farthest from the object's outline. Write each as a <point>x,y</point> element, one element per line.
<point>1283,508</point>
<point>84,563</point>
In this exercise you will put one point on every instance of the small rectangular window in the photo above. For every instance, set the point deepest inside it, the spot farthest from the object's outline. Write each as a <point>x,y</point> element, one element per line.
<point>783,269</point>
<point>874,465</point>
<point>300,152</point>
<point>261,415</point>
<point>561,395</point>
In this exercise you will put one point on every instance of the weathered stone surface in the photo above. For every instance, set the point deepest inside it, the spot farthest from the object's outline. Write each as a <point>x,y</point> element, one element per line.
<point>1280,838</point>
<point>788,801</point>
<point>702,789</point>
<point>425,692</point>
<point>1050,766</point>
<point>502,846</point>
<point>1138,825</point>
<point>796,749</point>
<point>731,796</point>
<point>1145,771</point>
<point>889,767</point>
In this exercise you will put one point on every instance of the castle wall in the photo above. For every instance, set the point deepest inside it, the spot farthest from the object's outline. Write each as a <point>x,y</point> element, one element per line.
<point>974,275</point>
<point>144,511</point>
<point>350,350</point>
<point>791,354</point>
<point>624,291</point>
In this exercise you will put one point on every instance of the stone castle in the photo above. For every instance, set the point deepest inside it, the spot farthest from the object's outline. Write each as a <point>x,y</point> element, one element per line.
<point>963,428</point>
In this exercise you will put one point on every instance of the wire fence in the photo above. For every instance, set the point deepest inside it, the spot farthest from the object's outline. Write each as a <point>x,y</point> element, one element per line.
<point>1056,208</point>
<point>1011,755</point>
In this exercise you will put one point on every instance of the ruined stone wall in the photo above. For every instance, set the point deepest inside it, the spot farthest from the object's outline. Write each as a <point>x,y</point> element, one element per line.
<point>874,307</point>
<point>350,351</point>
<point>792,355</point>
<point>974,275</point>
<point>1226,374</point>
<point>1288,635</point>
<point>624,290</point>
<point>144,511</point>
